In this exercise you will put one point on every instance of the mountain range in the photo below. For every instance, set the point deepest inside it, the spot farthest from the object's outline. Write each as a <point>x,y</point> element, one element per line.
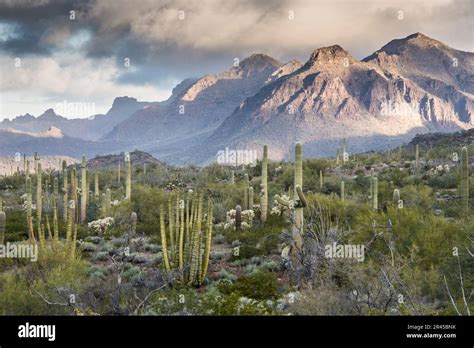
<point>409,86</point>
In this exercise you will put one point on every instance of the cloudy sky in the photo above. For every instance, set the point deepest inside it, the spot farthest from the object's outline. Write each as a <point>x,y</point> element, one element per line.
<point>143,48</point>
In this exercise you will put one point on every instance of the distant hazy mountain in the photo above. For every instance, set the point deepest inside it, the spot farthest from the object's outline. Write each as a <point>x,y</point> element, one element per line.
<point>411,85</point>
<point>51,142</point>
<point>92,128</point>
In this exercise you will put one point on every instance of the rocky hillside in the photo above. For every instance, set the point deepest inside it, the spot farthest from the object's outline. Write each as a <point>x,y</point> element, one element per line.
<point>372,103</point>
<point>197,107</point>
<point>137,158</point>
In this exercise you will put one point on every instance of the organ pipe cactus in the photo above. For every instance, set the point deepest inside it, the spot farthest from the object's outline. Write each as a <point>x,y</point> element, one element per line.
<point>465,182</point>
<point>84,189</point>
<point>264,193</point>
<point>128,178</point>
<point>192,238</point>
<point>163,240</point>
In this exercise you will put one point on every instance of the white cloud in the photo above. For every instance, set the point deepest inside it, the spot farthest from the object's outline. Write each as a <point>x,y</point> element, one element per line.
<point>45,81</point>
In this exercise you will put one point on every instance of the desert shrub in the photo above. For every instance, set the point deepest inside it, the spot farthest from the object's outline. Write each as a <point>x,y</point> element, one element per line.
<point>259,286</point>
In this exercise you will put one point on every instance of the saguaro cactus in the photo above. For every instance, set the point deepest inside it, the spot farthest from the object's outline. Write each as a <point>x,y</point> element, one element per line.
<point>108,203</point>
<point>343,192</point>
<point>3,219</point>
<point>299,182</point>
<point>344,153</point>
<point>65,191</point>
<point>396,196</point>
<point>417,160</point>
<point>84,189</point>
<point>133,219</point>
<point>320,179</point>
<point>246,193</point>
<point>238,218</point>
<point>251,198</point>
<point>465,182</point>
<point>264,193</point>
<point>128,178</point>
<point>29,209</point>
<point>39,195</point>
<point>375,193</point>
<point>96,184</point>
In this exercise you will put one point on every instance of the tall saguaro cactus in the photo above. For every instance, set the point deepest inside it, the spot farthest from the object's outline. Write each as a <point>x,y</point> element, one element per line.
<point>343,191</point>
<point>65,191</point>
<point>465,182</point>
<point>3,219</point>
<point>264,194</point>
<point>299,182</point>
<point>417,159</point>
<point>128,178</point>
<point>344,153</point>
<point>29,209</point>
<point>246,191</point>
<point>251,198</point>
<point>238,217</point>
<point>96,184</point>
<point>39,195</point>
<point>375,193</point>
<point>84,189</point>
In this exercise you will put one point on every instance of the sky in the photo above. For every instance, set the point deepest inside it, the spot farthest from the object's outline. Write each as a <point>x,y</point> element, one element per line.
<point>76,56</point>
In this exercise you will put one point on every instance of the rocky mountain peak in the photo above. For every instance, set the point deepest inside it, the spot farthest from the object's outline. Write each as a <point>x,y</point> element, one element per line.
<point>122,101</point>
<point>259,62</point>
<point>328,54</point>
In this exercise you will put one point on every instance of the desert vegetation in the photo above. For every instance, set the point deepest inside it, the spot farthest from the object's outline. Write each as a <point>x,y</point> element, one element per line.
<point>380,233</point>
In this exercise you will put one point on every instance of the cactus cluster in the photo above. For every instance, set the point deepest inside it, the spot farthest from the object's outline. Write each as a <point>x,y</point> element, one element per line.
<point>47,202</point>
<point>186,243</point>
